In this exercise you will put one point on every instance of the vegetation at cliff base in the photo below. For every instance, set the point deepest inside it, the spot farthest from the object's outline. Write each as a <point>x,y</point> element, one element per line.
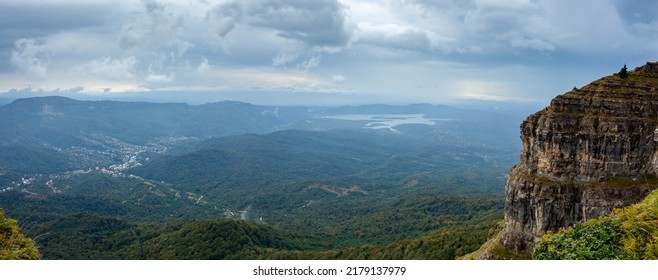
<point>629,233</point>
<point>13,244</point>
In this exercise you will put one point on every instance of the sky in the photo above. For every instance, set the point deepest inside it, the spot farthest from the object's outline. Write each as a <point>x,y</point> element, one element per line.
<point>320,51</point>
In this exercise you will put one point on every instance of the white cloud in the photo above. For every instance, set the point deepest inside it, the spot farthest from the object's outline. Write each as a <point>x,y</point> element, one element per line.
<point>179,47</point>
<point>481,90</point>
<point>337,78</point>
<point>537,44</point>
<point>649,29</point>
<point>159,78</point>
<point>108,68</point>
<point>311,63</point>
<point>266,79</point>
<point>26,57</point>
<point>288,54</point>
<point>154,78</point>
<point>204,67</point>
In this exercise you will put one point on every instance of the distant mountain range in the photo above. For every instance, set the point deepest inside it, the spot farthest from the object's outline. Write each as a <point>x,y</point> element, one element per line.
<point>62,127</point>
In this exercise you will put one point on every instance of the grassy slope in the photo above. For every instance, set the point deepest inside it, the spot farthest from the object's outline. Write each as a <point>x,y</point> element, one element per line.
<point>629,233</point>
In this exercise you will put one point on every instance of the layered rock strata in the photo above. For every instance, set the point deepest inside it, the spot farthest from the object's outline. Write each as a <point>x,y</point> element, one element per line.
<point>592,150</point>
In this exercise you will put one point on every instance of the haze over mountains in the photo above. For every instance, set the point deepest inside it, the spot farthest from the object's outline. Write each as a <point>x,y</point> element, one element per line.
<point>393,173</point>
<point>57,124</point>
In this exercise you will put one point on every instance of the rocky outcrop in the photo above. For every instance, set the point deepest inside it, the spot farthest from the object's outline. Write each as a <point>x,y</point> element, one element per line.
<point>592,150</point>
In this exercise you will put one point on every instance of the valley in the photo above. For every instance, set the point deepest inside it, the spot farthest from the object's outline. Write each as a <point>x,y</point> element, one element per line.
<point>327,179</point>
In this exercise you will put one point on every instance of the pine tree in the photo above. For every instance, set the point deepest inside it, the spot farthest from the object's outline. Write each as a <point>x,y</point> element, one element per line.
<point>623,73</point>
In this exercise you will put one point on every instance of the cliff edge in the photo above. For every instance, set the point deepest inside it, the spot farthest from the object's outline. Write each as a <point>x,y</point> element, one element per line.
<point>592,150</point>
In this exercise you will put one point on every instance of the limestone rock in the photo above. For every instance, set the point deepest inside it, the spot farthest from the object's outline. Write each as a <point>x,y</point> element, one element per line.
<point>592,150</point>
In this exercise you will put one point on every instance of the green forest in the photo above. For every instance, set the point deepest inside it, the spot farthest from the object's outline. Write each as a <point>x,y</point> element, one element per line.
<point>91,236</point>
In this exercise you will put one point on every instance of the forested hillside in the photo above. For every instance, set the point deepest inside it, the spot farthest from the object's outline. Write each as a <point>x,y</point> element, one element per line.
<point>120,179</point>
<point>90,236</point>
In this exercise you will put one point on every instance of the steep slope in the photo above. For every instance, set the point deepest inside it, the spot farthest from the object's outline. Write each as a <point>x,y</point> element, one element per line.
<point>592,150</point>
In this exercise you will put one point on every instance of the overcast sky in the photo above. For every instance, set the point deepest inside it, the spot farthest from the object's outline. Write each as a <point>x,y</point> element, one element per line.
<point>368,51</point>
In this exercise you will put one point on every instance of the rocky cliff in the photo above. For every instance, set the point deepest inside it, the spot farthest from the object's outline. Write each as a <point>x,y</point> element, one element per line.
<point>592,150</point>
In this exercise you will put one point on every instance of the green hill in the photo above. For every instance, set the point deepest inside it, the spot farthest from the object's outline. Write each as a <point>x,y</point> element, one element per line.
<point>91,236</point>
<point>213,239</point>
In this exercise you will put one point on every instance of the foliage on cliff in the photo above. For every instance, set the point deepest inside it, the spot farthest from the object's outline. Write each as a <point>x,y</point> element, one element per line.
<point>629,233</point>
<point>13,244</point>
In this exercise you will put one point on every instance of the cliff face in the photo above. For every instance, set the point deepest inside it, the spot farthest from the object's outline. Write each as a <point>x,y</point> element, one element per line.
<point>592,150</point>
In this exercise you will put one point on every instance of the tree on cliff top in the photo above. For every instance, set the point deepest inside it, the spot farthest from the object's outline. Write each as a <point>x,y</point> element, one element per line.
<point>623,73</point>
<point>13,244</point>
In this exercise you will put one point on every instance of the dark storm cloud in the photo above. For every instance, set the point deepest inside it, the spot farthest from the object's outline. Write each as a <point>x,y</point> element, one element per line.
<point>223,17</point>
<point>19,20</point>
<point>322,23</point>
<point>637,11</point>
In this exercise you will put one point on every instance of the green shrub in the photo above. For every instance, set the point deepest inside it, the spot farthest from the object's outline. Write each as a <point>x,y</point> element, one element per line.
<point>629,233</point>
<point>13,244</point>
<point>594,240</point>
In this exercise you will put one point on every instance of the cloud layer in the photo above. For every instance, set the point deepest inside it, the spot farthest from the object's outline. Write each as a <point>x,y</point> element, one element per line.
<point>395,50</point>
